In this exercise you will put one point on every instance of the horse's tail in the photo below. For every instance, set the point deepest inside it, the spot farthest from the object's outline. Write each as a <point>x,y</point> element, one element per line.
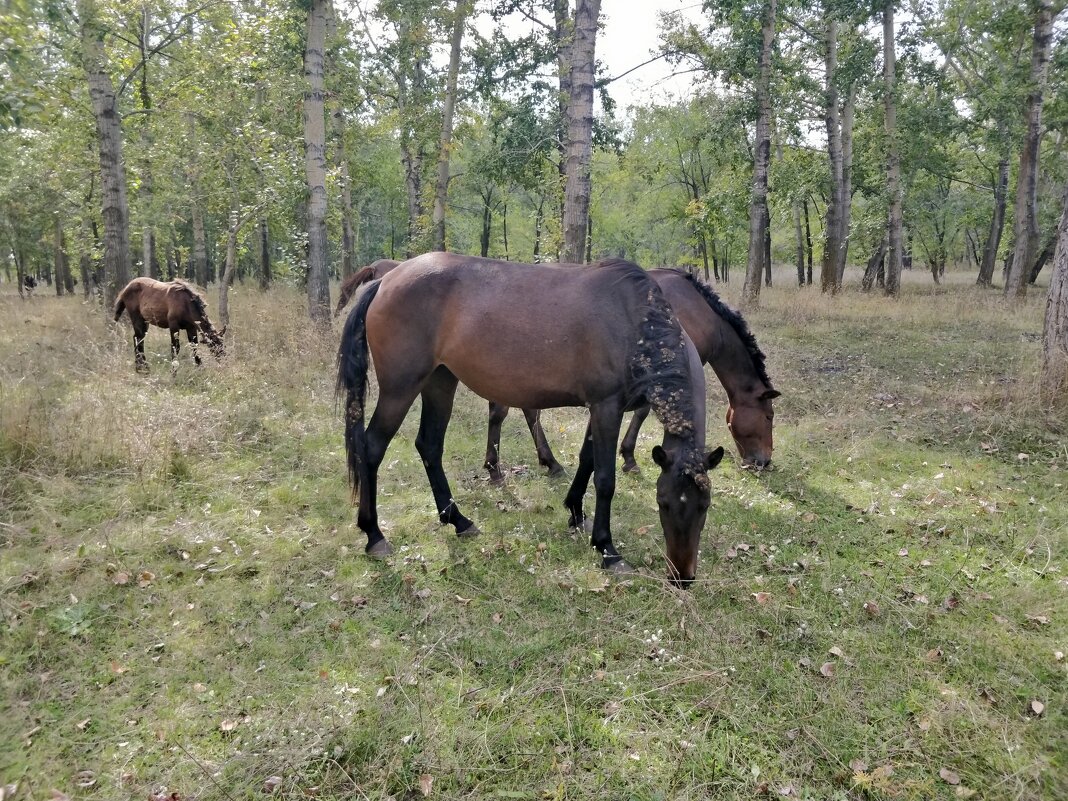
<point>352,365</point>
<point>351,284</point>
<point>120,307</point>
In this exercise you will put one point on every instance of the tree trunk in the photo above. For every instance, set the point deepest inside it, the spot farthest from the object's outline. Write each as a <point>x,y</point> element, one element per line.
<point>115,211</point>
<point>441,188</point>
<point>893,160</point>
<point>874,266</point>
<point>149,261</point>
<point>1055,326</point>
<point>808,243</point>
<point>1042,258</point>
<point>228,272</point>
<point>565,35</point>
<point>341,163</point>
<point>315,163</point>
<point>997,225</point>
<point>504,226</point>
<point>64,279</point>
<point>200,246</point>
<point>264,253</point>
<point>539,216</point>
<point>758,204</point>
<point>799,243</point>
<point>580,131</point>
<point>845,190</point>
<point>1025,230</point>
<point>487,222</point>
<point>832,228</point>
<point>767,245</point>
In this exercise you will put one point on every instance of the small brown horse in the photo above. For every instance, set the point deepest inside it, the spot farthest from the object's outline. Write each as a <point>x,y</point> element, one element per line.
<point>723,340</point>
<point>532,336</point>
<point>359,278</point>
<point>174,305</point>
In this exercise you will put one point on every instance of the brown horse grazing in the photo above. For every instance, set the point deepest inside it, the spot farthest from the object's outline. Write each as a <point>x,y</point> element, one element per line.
<point>724,341</point>
<point>359,278</point>
<point>174,305</point>
<point>532,336</point>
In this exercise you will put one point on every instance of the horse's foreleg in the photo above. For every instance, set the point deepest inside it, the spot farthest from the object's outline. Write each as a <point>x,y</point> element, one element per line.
<point>605,421</point>
<point>497,413</point>
<point>573,500</point>
<point>387,418</point>
<point>438,395</point>
<point>545,453</point>
<point>191,332</point>
<point>630,439</point>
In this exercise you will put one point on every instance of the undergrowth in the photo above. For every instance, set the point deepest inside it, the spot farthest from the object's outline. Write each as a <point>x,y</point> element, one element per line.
<point>187,609</point>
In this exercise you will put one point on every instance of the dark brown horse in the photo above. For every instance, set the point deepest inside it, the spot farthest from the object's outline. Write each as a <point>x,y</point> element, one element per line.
<point>723,340</point>
<point>359,278</point>
<point>532,336</point>
<point>173,305</point>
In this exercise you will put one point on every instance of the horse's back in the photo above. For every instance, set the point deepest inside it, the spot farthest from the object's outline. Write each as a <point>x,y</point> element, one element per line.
<point>524,335</point>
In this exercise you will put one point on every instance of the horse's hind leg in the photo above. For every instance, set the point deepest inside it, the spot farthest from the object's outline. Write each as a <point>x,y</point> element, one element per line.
<point>545,453</point>
<point>388,415</point>
<point>438,394</point>
<point>176,345</point>
<point>140,329</point>
<point>630,439</point>
<point>575,494</point>
<point>497,413</point>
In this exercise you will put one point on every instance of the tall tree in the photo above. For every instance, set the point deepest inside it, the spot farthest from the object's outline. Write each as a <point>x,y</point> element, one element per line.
<point>1025,229</point>
<point>1055,328</point>
<point>115,210</point>
<point>581,58</point>
<point>441,188</point>
<point>759,228</point>
<point>893,158</point>
<point>315,162</point>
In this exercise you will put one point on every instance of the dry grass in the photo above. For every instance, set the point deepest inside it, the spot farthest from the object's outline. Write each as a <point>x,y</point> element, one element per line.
<point>186,605</point>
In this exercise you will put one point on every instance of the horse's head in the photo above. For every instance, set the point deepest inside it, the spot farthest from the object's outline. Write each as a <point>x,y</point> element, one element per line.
<point>683,496</point>
<point>215,341</point>
<point>749,419</point>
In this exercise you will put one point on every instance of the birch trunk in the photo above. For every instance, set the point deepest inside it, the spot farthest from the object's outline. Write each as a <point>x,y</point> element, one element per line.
<point>1055,327</point>
<point>1025,230</point>
<point>845,189</point>
<point>114,210</point>
<point>315,163</point>
<point>758,205</point>
<point>580,131</point>
<point>893,160</point>
<point>832,121</point>
<point>441,188</point>
<point>200,246</point>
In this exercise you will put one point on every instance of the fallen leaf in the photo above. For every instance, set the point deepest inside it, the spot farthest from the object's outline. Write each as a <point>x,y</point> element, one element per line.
<point>934,655</point>
<point>1037,707</point>
<point>83,724</point>
<point>836,651</point>
<point>121,578</point>
<point>118,669</point>
<point>7,791</point>
<point>85,779</point>
<point>145,578</point>
<point>423,594</point>
<point>964,792</point>
<point>1058,656</point>
<point>948,776</point>
<point>951,602</point>
<point>497,618</point>
<point>924,724</point>
<point>227,725</point>
<point>1038,620</point>
<point>883,772</point>
<point>270,784</point>
<point>761,597</point>
<point>809,517</point>
<point>858,765</point>
<point>872,609</point>
<point>903,552</point>
<point>58,795</point>
<point>827,670</point>
<point>358,600</point>
<point>200,688</point>
<point>426,781</point>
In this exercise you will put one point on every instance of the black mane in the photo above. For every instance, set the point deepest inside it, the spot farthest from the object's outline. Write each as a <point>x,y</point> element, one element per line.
<point>198,304</point>
<point>659,369</point>
<point>735,320</point>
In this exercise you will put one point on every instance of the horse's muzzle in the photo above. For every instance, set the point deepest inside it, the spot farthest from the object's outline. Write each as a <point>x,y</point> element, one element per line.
<point>682,582</point>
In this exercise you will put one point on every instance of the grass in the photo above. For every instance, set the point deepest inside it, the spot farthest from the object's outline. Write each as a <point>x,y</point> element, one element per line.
<point>187,609</point>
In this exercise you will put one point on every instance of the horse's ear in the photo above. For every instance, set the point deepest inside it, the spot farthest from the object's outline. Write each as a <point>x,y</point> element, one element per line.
<point>662,457</point>
<point>713,458</point>
<point>770,394</point>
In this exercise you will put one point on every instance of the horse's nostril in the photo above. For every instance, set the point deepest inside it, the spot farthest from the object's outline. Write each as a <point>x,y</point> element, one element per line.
<point>683,583</point>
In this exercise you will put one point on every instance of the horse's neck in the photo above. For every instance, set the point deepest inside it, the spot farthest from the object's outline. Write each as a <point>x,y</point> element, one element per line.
<point>729,358</point>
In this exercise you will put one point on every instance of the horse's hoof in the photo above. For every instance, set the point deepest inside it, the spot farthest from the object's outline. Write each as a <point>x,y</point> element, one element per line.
<point>619,567</point>
<point>557,471</point>
<point>380,550</point>
<point>586,525</point>
<point>496,480</point>
<point>472,531</point>
<point>631,467</point>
